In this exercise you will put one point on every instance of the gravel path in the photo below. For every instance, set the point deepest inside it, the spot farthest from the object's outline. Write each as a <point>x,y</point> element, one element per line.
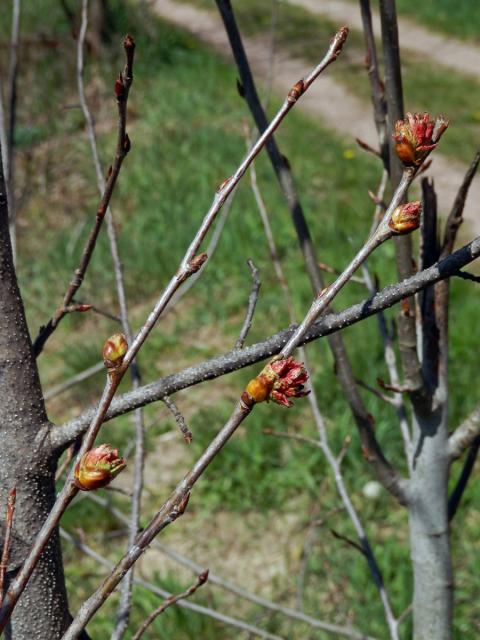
<point>449,52</point>
<point>326,99</point>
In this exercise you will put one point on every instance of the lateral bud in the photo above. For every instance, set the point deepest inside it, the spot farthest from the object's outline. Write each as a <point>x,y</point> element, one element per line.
<point>296,91</point>
<point>114,351</point>
<point>197,262</point>
<point>406,217</point>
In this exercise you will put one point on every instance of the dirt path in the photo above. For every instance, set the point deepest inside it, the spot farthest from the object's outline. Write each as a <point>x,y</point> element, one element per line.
<point>449,52</point>
<point>326,99</point>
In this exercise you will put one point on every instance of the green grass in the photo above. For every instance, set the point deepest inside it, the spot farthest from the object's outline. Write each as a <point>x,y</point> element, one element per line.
<point>186,131</point>
<point>460,19</point>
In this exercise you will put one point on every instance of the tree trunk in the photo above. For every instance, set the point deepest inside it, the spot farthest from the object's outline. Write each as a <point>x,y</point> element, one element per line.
<point>42,611</point>
<point>429,530</point>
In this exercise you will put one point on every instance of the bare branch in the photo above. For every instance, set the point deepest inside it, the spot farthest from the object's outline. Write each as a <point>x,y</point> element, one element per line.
<point>126,596</point>
<point>455,217</point>
<point>179,419</point>
<point>61,436</point>
<point>456,495</point>
<point>252,303</point>
<point>7,540</point>
<point>464,435</point>
<point>168,602</point>
<point>122,89</point>
<point>190,606</point>
<point>228,585</point>
<point>377,89</point>
<point>74,380</point>
<point>465,275</point>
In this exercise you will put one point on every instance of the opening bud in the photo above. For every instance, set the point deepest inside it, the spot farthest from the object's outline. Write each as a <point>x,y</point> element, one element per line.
<point>415,137</point>
<point>114,350</point>
<point>279,381</point>
<point>97,468</point>
<point>406,217</point>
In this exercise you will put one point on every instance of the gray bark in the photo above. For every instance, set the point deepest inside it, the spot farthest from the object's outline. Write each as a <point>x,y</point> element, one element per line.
<point>429,530</point>
<point>42,612</point>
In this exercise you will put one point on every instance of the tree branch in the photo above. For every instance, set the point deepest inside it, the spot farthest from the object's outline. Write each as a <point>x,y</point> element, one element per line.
<point>122,89</point>
<point>171,600</point>
<point>293,614</point>
<point>252,303</point>
<point>60,437</point>
<point>190,606</point>
<point>465,434</point>
<point>456,495</point>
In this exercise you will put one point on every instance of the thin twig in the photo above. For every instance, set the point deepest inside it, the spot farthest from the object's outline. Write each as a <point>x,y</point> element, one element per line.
<point>179,419</point>
<point>228,585</point>
<point>201,580</point>
<point>378,394</point>
<point>7,540</point>
<point>73,381</point>
<point>391,362</point>
<point>465,275</point>
<point>376,85</point>
<point>125,603</point>
<point>335,462</point>
<point>380,235</point>
<point>252,303</point>
<point>190,606</point>
<point>122,89</point>
<point>455,217</point>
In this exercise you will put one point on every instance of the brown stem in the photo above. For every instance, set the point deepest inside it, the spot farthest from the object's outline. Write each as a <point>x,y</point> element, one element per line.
<point>122,88</point>
<point>7,540</point>
<point>252,303</point>
<point>201,580</point>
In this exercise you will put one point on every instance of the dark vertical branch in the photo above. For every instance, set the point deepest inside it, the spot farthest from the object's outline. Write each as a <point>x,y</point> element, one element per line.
<point>403,245</point>
<point>284,175</point>
<point>456,495</point>
<point>428,311</point>
<point>376,85</point>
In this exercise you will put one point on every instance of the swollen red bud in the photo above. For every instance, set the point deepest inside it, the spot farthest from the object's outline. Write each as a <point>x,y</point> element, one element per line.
<point>127,145</point>
<point>97,468</point>
<point>114,351</point>
<point>278,381</point>
<point>416,136</point>
<point>406,217</point>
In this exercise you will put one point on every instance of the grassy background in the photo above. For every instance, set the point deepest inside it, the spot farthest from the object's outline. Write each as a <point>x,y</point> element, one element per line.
<point>249,517</point>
